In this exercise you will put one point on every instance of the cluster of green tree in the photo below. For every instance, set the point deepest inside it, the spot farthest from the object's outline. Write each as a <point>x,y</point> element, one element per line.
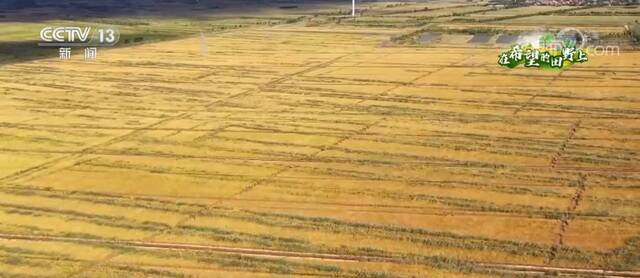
<point>635,32</point>
<point>508,3</point>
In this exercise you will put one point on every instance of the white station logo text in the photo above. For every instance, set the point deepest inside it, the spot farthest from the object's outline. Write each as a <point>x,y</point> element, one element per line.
<point>78,35</point>
<point>65,34</point>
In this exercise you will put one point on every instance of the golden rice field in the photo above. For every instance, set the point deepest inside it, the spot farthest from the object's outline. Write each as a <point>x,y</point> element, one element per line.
<point>293,151</point>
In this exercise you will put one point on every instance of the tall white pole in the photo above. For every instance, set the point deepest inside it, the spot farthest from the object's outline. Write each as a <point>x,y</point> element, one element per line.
<point>353,8</point>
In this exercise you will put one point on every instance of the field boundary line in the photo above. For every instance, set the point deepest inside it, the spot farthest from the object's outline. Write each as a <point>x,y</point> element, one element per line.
<point>166,266</point>
<point>572,133</point>
<point>567,217</point>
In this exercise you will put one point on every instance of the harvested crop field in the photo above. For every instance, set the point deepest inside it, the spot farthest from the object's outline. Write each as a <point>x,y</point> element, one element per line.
<point>315,151</point>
